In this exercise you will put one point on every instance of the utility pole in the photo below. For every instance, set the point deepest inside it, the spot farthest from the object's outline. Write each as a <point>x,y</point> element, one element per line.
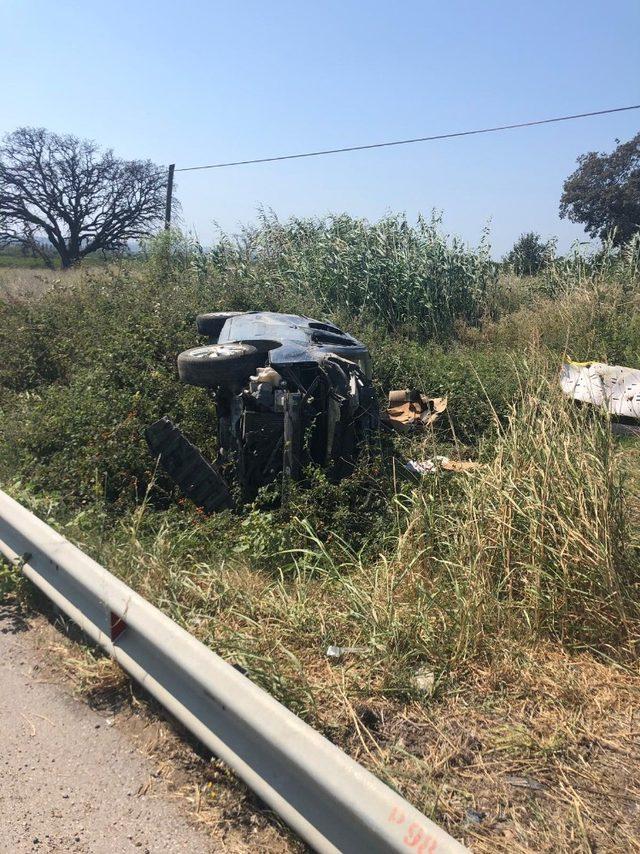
<point>167,210</point>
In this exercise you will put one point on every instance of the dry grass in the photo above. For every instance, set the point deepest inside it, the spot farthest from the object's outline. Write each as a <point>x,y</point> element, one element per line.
<point>536,751</point>
<point>21,283</point>
<point>514,584</point>
<point>540,545</point>
<point>511,584</point>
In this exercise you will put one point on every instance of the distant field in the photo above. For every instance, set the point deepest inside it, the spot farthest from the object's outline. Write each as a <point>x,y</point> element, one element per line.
<point>28,277</point>
<point>25,282</point>
<point>19,262</point>
<point>14,258</point>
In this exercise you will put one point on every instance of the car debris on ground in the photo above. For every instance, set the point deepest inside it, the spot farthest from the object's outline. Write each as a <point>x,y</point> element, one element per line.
<point>474,816</point>
<point>440,463</point>
<point>337,653</point>
<point>526,783</point>
<point>611,387</point>
<point>424,679</point>
<point>410,410</point>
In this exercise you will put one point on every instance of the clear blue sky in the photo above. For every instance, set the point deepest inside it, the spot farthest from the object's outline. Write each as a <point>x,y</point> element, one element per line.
<point>197,82</point>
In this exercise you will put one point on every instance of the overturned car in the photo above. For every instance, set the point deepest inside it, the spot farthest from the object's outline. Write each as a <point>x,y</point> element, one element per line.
<point>289,391</point>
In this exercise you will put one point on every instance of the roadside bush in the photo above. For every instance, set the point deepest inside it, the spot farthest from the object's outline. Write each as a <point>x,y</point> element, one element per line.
<point>530,254</point>
<point>84,368</point>
<point>537,544</point>
<point>599,322</point>
<point>480,382</point>
<point>444,570</point>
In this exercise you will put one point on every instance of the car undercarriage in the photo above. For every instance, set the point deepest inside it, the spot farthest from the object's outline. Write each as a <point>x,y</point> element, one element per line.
<point>289,392</point>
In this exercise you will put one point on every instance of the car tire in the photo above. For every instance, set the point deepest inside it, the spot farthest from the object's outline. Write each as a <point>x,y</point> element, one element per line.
<point>227,365</point>
<point>211,324</point>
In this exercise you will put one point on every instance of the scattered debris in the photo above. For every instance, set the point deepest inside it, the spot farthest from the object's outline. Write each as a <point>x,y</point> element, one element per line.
<point>336,653</point>
<point>195,476</point>
<point>438,462</point>
<point>409,410</point>
<point>526,783</point>
<point>475,816</point>
<point>611,386</point>
<point>621,429</point>
<point>424,679</point>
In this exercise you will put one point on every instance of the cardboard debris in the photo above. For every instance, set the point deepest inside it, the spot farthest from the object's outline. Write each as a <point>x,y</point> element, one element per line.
<point>410,410</point>
<point>430,466</point>
<point>610,386</point>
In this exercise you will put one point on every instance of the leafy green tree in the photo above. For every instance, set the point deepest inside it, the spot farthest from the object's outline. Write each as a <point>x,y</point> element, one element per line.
<point>604,192</point>
<point>530,254</point>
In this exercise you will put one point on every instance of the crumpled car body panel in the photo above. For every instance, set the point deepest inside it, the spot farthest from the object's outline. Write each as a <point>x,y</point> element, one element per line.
<point>613,387</point>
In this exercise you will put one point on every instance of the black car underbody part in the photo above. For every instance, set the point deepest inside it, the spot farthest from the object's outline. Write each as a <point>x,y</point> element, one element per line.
<point>289,391</point>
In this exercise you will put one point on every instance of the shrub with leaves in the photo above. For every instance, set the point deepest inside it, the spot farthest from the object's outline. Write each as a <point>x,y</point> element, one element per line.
<point>530,254</point>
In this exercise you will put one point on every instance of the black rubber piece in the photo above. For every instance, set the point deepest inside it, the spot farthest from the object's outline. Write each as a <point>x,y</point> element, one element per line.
<point>212,322</point>
<point>183,462</point>
<point>214,365</point>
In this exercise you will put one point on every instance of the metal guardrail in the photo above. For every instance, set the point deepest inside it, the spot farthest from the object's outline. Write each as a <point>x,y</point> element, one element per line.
<point>330,800</point>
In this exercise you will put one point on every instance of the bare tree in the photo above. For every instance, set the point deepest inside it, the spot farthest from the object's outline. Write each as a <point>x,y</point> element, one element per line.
<point>64,193</point>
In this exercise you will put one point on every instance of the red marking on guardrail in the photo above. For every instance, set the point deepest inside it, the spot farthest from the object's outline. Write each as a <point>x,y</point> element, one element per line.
<point>416,837</point>
<point>117,626</point>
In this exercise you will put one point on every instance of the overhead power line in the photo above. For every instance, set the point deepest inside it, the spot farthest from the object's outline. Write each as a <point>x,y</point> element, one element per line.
<point>322,152</point>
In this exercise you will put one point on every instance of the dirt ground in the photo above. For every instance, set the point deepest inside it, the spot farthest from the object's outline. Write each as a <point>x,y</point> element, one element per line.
<point>104,776</point>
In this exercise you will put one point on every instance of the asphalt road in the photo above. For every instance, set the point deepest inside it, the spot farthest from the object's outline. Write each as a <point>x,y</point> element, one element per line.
<point>70,782</point>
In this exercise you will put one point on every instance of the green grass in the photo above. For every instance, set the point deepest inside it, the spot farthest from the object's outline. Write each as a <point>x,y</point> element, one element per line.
<point>20,262</point>
<point>12,258</point>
